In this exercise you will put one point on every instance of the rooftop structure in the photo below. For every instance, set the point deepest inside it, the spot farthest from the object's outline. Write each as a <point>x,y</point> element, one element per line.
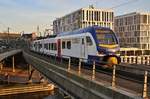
<point>9,35</point>
<point>82,18</point>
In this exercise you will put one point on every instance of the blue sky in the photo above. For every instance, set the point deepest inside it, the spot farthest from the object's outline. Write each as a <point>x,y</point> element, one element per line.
<point>25,15</point>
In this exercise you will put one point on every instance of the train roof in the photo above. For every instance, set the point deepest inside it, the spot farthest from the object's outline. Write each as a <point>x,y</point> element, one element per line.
<point>48,36</point>
<point>83,30</point>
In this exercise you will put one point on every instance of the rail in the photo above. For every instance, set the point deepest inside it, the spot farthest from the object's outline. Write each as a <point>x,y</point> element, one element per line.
<point>93,70</point>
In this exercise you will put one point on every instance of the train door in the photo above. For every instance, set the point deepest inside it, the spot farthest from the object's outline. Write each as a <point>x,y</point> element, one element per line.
<point>59,47</point>
<point>82,48</point>
<point>38,49</point>
<point>89,46</point>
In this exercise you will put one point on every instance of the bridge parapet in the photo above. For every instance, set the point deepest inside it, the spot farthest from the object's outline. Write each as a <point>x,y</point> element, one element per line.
<point>9,53</point>
<point>75,84</point>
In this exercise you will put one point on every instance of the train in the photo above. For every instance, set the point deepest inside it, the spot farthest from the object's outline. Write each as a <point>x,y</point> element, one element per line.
<point>91,43</point>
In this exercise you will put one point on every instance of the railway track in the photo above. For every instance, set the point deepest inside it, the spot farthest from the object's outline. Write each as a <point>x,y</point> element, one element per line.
<point>141,67</point>
<point>127,80</point>
<point>138,78</point>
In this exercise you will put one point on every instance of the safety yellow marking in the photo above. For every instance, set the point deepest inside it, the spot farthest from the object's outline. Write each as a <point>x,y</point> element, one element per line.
<point>108,46</point>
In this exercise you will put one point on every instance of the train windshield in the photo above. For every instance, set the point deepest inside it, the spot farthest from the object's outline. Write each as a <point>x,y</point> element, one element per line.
<point>106,37</point>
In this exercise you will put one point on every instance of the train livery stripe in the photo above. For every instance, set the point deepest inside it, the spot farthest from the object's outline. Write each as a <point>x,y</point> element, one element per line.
<point>108,46</point>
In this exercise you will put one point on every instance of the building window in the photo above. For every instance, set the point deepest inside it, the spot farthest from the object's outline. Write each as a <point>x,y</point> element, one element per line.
<point>83,15</point>
<point>98,16</point>
<point>135,19</point>
<point>95,15</point>
<point>107,16</point>
<point>112,17</point>
<point>144,19</point>
<point>149,20</point>
<point>102,16</point>
<point>138,27</point>
<point>87,15</point>
<point>92,15</point>
<point>68,44</point>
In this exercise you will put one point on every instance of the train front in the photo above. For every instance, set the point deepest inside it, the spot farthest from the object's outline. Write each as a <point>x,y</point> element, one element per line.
<point>108,46</point>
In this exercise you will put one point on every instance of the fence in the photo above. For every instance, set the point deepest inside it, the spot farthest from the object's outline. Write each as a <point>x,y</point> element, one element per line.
<point>145,59</point>
<point>92,71</point>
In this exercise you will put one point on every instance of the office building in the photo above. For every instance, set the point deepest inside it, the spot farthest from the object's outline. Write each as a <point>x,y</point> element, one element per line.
<point>84,17</point>
<point>133,30</point>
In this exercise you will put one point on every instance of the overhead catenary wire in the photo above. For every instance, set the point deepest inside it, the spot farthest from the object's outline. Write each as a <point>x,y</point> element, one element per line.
<point>5,26</point>
<point>118,5</point>
<point>123,4</point>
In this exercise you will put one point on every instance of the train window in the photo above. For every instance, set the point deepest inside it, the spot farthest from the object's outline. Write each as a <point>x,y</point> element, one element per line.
<point>68,44</point>
<point>49,46</point>
<point>46,46</point>
<point>63,44</point>
<point>55,47</point>
<point>106,37</point>
<point>89,41</point>
<point>82,40</point>
<point>52,46</point>
<point>40,46</point>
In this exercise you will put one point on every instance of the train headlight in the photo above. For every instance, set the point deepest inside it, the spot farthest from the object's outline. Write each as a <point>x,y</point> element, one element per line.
<point>112,60</point>
<point>100,53</point>
<point>112,50</point>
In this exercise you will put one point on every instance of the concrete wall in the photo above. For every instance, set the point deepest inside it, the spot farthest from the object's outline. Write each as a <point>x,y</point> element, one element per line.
<point>76,85</point>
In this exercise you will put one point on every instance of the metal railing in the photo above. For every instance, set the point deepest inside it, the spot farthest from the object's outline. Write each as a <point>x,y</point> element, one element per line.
<point>145,59</point>
<point>26,89</point>
<point>93,70</point>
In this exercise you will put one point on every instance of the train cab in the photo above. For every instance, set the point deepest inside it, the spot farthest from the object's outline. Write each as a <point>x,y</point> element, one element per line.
<point>108,45</point>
